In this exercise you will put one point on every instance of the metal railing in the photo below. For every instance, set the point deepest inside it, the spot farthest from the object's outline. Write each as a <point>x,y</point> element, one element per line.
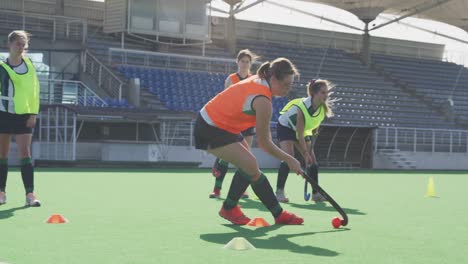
<point>421,140</point>
<point>170,60</point>
<point>172,133</point>
<point>68,92</point>
<point>55,27</point>
<point>57,133</point>
<point>105,78</point>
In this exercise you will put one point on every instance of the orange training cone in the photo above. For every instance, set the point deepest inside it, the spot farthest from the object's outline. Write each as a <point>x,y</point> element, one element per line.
<point>258,221</point>
<point>56,219</point>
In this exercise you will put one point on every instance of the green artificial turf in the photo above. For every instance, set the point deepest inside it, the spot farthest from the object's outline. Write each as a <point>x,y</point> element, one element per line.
<point>165,216</point>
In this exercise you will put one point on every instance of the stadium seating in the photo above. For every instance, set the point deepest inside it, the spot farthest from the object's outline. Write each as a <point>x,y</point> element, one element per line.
<point>183,90</point>
<point>364,97</point>
<point>432,80</point>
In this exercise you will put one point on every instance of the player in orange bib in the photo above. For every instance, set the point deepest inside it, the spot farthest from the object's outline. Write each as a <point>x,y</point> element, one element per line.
<point>218,131</point>
<point>245,58</point>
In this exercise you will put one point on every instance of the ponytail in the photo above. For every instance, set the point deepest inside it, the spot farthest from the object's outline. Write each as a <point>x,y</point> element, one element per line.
<point>263,70</point>
<point>280,68</point>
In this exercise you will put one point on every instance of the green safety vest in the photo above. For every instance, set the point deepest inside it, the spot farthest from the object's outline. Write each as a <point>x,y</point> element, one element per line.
<point>311,122</point>
<point>26,88</point>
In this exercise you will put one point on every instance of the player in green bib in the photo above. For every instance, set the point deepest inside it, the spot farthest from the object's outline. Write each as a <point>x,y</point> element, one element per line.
<point>299,121</point>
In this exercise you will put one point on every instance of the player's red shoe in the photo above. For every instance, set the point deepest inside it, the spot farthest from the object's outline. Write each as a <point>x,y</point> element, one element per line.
<point>216,193</point>
<point>287,218</point>
<point>235,215</point>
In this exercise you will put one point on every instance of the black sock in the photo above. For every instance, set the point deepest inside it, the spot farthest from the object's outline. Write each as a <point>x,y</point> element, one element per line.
<point>312,171</point>
<point>222,166</point>
<point>27,173</point>
<point>238,186</point>
<point>264,192</point>
<point>283,173</point>
<point>3,174</point>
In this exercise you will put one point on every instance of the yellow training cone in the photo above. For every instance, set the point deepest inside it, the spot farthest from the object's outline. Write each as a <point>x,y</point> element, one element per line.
<point>239,243</point>
<point>430,188</point>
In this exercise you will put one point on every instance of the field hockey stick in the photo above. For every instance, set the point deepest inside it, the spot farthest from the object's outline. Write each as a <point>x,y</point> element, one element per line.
<point>335,205</point>
<point>306,194</point>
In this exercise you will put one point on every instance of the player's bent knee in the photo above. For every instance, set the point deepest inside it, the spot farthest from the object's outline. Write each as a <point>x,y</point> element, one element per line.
<point>256,176</point>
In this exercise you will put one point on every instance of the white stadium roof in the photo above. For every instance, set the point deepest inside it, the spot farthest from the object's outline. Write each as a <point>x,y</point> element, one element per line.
<point>453,12</point>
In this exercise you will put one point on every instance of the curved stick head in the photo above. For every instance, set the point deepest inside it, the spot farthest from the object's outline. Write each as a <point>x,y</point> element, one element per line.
<point>344,221</point>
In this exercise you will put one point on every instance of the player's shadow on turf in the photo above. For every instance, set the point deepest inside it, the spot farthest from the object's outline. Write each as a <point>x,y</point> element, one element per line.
<point>278,242</point>
<point>257,204</point>
<point>10,212</point>
<point>250,203</point>
<point>324,207</point>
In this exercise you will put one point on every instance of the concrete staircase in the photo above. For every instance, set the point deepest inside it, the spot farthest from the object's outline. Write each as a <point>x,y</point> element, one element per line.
<point>397,158</point>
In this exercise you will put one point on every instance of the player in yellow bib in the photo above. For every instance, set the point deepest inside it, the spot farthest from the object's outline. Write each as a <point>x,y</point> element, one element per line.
<point>19,105</point>
<point>298,122</point>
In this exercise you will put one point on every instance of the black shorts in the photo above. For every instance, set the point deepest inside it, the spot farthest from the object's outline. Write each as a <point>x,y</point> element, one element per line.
<point>285,133</point>
<point>248,132</point>
<point>14,124</point>
<point>210,137</point>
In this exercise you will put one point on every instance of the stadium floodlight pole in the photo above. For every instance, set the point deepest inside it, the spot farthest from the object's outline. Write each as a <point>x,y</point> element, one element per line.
<point>239,9</point>
<point>314,15</point>
<point>417,10</point>
<point>218,10</point>
<point>432,32</point>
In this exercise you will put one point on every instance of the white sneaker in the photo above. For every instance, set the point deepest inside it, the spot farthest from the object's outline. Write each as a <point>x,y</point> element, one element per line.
<point>317,197</point>
<point>281,197</point>
<point>2,198</point>
<point>32,201</point>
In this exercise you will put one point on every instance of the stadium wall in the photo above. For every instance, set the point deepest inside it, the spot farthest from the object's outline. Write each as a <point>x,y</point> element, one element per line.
<point>425,160</point>
<point>141,153</point>
<point>92,11</point>
<point>49,7</point>
<point>94,151</point>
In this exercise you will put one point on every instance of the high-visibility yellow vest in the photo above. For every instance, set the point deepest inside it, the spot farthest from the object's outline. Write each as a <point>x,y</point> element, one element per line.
<point>310,122</point>
<point>26,88</point>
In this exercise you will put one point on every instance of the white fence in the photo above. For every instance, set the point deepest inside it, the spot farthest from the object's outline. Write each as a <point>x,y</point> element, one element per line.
<point>170,60</point>
<point>68,92</point>
<point>51,26</point>
<point>421,140</point>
